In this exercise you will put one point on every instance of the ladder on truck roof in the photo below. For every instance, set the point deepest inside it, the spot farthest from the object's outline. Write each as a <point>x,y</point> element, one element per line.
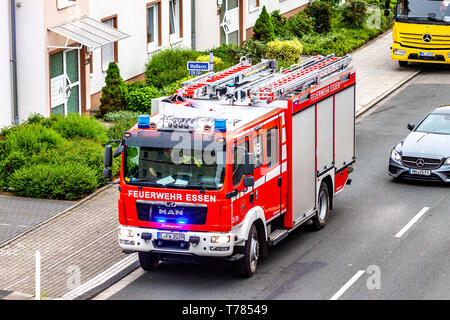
<point>260,83</point>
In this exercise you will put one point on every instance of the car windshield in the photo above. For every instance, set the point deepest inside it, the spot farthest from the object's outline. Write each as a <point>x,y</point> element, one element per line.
<point>174,168</point>
<point>427,11</point>
<point>435,123</point>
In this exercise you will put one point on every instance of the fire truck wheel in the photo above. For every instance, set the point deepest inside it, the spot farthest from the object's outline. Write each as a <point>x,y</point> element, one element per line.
<point>323,211</point>
<point>148,261</point>
<point>247,265</point>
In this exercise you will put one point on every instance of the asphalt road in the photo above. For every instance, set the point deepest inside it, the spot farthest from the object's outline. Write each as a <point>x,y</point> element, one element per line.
<point>359,241</point>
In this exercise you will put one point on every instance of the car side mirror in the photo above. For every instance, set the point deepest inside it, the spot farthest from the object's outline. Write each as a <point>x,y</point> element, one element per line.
<point>107,174</point>
<point>249,181</point>
<point>410,126</point>
<point>118,151</point>
<point>248,164</point>
<point>108,162</point>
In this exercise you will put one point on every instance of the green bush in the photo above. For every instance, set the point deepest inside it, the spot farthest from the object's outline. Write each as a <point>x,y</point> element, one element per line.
<point>217,61</point>
<point>116,131</point>
<point>121,115</point>
<point>321,13</point>
<point>263,29</point>
<point>114,93</point>
<point>140,100</point>
<point>254,49</point>
<point>173,87</point>
<point>280,25</point>
<point>33,138</point>
<point>79,126</point>
<point>229,53</point>
<point>66,181</point>
<point>288,51</point>
<point>354,13</point>
<point>300,24</point>
<point>168,66</point>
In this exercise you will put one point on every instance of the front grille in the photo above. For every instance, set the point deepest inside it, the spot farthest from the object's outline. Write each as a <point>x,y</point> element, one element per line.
<point>170,212</point>
<point>416,177</point>
<point>415,40</point>
<point>428,163</point>
<point>415,56</point>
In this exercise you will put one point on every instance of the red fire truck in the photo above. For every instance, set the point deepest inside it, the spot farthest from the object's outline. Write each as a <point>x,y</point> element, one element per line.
<point>236,160</point>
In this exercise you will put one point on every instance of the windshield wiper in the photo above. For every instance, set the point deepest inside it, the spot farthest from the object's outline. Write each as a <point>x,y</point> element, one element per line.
<point>146,183</point>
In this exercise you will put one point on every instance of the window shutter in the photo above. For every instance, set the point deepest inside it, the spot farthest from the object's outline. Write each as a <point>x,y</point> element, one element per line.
<point>108,50</point>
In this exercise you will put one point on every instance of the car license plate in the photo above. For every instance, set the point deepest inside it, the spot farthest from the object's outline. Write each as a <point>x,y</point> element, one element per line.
<point>171,236</point>
<point>420,172</point>
<point>426,54</point>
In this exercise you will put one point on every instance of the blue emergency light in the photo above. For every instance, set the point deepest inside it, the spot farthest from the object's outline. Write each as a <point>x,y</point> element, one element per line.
<point>182,221</point>
<point>220,125</point>
<point>144,122</point>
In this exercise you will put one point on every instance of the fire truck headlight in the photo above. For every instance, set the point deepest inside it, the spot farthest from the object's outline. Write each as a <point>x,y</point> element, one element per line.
<point>220,239</point>
<point>448,55</point>
<point>125,233</point>
<point>399,52</point>
<point>395,156</point>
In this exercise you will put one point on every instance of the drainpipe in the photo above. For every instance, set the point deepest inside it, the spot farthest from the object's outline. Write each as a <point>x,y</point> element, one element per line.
<point>14,61</point>
<point>193,22</point>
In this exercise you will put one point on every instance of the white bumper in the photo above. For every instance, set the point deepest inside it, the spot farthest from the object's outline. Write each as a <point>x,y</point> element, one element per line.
<point>130,238</point>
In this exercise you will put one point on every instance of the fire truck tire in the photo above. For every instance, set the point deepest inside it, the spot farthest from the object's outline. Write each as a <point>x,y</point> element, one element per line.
<point>323,211</point>
<point>246,267</point>
<point>148,261</point>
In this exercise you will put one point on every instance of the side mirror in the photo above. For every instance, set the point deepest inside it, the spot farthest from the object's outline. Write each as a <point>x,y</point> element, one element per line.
<point>118,151</point>
<point>248,164</point>
<point>411,126</point>
<point>107,174</point>
<point>249,181</point>
<point>108,162</point>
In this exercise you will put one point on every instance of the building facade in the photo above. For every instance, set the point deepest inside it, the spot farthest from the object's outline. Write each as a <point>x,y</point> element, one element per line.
<point>64,47</point>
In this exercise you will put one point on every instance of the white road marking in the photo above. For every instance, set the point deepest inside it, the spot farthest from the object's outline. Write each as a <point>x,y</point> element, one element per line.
<point>101,278</point>
<point>349,283</point>
<point>108,293</point>
<point>413,220</point>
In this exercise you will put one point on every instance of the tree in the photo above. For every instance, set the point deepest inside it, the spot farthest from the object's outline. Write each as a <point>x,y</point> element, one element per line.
<point>114,93</point>
<point>263,29</point>
<point>322,13</point>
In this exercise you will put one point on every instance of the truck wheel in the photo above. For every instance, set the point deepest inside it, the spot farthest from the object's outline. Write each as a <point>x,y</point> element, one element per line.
<point>403,63</point>
<point>148,261</point>
<point>323,211</point>
<point>247,265</point>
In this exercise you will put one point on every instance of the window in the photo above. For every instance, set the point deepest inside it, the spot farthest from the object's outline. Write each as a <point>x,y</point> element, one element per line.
<point>109,51</point>
<point>61,4</point>
<point>258,150</point>
<point>272,147</point>
<point>153,25</point>
<point>175,18</point>
<point>238,161</point>
<point>253,5</point>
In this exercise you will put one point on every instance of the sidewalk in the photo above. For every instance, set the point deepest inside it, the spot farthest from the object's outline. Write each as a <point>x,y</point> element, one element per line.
<point>83,241</point>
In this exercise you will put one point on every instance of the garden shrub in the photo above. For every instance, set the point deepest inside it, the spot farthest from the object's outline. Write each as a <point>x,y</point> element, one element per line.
<point>217,61</point>
<point>229,53</point>
<point>140,100</point>
<point>254,49</point>
<point>280,25</point>
<point>65,181</point>
<point>288,51</point>
<point>114,92</point>
<point>168,66</point>
<point>300,24</point>
<point>116,131</point>
<point>173,87</point>
<point>321,13</point>
<point>32,138</point>
<point>121,115</point>
<point>354,13</point>
<point>263,29</point>
<point>79,126</point>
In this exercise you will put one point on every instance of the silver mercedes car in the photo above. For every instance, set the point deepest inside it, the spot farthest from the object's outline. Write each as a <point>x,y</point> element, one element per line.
<point>425,153</point>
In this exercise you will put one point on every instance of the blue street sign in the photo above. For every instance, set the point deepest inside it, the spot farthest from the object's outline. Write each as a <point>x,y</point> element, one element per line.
<point>198,66</point>
<point>195,73</point>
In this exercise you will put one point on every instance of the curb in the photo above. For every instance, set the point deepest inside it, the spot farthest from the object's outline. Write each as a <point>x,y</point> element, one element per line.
<point>386,94</point>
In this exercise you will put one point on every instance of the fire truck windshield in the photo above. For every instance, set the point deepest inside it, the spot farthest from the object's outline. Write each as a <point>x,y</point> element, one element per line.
<point>174,168</point>
<point>424,11</point>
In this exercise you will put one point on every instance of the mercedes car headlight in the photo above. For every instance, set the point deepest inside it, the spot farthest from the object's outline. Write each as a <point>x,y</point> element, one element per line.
<point>447,162</point>
<point>395,156</point>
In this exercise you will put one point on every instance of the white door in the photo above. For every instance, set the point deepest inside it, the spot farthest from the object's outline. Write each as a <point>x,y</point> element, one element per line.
<point>65,82</point>
<point>229,22</point>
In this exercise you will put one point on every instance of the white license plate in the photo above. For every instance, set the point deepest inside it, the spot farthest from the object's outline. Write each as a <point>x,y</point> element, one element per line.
<point>171,236</point>
<point>420,172</point>
<point>426,54</point>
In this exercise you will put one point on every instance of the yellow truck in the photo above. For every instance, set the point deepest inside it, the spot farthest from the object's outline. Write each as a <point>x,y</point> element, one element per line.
<point>421,31</point>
